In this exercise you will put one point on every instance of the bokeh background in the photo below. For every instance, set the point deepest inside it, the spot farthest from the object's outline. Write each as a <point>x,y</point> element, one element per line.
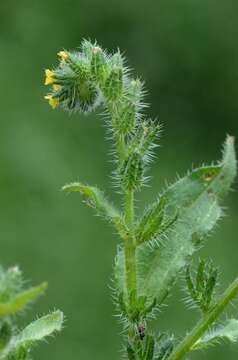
<point>186,51</point>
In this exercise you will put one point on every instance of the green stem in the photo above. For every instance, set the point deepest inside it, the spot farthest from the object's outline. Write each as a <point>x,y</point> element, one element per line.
<point>120,141</point>
<point>130,262</point>
<point>186,345</point>
<point>129,240</point>
<point>119,138</point>
<point>130,246</point>
<point>129,209</point>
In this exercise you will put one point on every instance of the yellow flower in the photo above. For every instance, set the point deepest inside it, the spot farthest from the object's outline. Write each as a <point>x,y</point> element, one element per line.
<point>63,55</point>
<point>49,77</point>
<point>57,87</point>
<point>54,102</point>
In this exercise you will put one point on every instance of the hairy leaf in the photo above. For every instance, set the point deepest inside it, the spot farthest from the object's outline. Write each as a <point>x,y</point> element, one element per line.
<point>195,201</point>
<point>11,283</point>
<point>229,331</point>
<point>21,299</point>
<point>33,333</point>
<point>96,199</point>
<point>153,222</point>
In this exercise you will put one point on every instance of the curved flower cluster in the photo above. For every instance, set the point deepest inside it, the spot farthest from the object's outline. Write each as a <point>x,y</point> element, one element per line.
<point>86,78</point>
<point>83,78</point>
<point>72,84</point>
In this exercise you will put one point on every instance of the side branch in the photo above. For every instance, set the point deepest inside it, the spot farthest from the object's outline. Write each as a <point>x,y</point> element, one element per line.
<point>186,345</point>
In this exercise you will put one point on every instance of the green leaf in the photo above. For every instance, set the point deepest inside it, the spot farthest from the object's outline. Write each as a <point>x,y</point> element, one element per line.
<point>228,331</point>
<point>144,138</point>
<point>11,283</point>
<point>96,199</point>
<point>21,300</point>
<point>130,352</point>
<point>5,333</point>
<point>201,288</point>
<point>40,329</point>
<point>33,333</point>
<point>153,222</point>
<point>194,199</point>
<point>165,347</point>
<point>131,172</point>
<point>149,348</point>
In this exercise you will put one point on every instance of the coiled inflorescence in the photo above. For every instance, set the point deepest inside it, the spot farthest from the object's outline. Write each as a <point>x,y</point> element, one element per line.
<point>72,83</point>
<point>84,78</point>
<point>90,77</point>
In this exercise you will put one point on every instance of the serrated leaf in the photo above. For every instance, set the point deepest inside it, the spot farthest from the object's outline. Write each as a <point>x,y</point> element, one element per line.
<point>21,300</point>
<point>228,331</point>
<point>195,199</point>
<point>33,333</point>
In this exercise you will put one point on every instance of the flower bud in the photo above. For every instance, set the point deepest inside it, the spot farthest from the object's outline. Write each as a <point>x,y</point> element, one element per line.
<point>131,172</point>
<point>113,84</point>
<point>63,55</point>
<point>125,117</point>
<point>49,77</point>
<point>99,65</point>
<point>86,48</point>
<point>53,101</point>
<point>135,93</point>
<point>73,87</point>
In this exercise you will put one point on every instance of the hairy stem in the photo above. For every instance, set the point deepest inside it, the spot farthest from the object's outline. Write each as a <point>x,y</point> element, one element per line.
<point>130,246</point>
<point>119,138</point>
<point>120,143</point>
<point>130,260</point>
<point>129,209</point>
<point>201,327</point>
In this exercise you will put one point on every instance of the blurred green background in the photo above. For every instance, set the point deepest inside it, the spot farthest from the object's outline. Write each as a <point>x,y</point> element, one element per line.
<point>186,51</point>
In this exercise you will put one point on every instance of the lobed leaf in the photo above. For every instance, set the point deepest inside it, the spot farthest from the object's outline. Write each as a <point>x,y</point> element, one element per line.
<point>194,200</point>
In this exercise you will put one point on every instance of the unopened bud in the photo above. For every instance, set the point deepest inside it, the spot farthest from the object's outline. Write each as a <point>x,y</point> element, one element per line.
<point>132,172</point>
<point>113,84</point>
<point>99,66</point>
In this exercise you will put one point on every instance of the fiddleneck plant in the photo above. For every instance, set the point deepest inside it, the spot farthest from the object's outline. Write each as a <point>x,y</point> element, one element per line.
<point>16,344</point>
<point>157,246</point>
